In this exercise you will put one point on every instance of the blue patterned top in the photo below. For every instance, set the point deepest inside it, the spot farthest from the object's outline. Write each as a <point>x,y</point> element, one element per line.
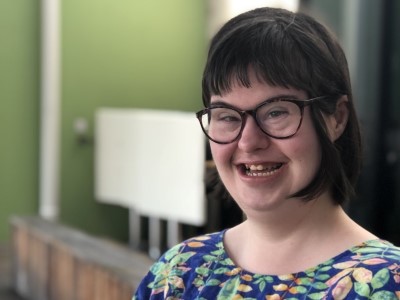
<point>200,269</point>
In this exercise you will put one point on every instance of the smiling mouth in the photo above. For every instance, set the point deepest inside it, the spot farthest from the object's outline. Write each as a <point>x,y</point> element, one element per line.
<point>261,170</point>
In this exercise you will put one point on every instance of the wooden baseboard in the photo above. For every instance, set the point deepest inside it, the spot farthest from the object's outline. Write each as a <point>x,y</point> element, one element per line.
<point>55,262</point>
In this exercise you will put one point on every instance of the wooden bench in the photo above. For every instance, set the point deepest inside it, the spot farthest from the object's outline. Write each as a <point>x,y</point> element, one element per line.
<point>56,262</point>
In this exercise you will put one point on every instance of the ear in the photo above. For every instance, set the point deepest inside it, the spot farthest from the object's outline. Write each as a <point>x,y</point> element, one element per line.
<point>336,123</point>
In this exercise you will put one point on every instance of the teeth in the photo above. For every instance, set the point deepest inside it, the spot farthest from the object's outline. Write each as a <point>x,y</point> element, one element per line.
<point>267,170</point>
<point>255,167</point>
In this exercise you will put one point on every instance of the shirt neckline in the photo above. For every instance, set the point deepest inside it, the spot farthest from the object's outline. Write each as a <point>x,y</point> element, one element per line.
<point>348,252</point>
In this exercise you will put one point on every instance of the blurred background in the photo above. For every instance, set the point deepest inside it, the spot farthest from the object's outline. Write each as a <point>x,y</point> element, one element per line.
<point>62,60</point>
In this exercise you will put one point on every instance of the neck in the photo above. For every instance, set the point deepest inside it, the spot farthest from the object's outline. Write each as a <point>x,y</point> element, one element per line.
<point>298,238</point>
<point>297,218</point>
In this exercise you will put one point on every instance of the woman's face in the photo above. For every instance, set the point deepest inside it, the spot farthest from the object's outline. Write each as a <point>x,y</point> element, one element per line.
<point>278,168</point>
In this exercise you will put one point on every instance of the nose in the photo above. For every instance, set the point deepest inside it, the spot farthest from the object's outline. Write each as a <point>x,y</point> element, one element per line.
<point>252,138</point>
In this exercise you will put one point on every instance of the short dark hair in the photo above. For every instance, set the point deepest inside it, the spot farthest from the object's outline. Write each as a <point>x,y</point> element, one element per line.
<point>292,50</point>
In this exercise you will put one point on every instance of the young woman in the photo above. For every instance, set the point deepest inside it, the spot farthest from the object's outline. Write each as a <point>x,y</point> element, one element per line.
<point>286,143</point>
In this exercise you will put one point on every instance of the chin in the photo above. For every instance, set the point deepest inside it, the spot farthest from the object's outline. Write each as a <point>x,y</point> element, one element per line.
<point>261,204</point>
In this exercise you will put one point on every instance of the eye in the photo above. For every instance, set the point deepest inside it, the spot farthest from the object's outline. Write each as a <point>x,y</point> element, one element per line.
<point>276,111</point>
<point>225,115</point>
<point>228,118</point>
<point>273,114</point>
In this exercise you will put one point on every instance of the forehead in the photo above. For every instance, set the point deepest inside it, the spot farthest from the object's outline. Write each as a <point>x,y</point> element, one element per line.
<point>246,97</point>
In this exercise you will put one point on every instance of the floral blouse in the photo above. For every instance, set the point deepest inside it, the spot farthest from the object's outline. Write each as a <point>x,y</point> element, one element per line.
<point>201,269</point>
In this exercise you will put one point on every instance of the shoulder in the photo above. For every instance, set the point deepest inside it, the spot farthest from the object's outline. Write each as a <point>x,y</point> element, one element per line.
<point>177,267</point>
<point>194,248</point>
<point>376,252</point>
<point>192,251</point>
<point>370,270</point>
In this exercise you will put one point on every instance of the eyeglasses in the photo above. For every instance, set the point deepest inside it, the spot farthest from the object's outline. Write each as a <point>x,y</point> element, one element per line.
<point>278,118</point>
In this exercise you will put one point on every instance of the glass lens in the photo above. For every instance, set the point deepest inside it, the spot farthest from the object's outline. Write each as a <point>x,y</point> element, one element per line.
<point>279,118</point>
<point>222,124</point>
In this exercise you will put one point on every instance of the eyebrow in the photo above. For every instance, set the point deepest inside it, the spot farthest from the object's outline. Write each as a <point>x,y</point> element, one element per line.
<point>222,103</point>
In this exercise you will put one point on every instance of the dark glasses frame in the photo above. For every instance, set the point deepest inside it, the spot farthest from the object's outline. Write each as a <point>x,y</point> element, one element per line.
<point>253,112</point>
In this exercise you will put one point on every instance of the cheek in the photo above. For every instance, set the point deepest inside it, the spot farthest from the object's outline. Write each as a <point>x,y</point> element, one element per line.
<point>309,154</point>
<point>222,154</point>
<point>306,147</point>
<point>306,150</point>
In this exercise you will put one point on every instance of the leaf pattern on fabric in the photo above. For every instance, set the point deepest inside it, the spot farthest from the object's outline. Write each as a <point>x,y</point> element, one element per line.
<point>362,275</point>
<point>201,269</point>
<point>342,288</point>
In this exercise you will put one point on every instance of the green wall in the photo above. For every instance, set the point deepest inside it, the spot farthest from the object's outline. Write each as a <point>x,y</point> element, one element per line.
<point>122,54</point>
<point>19,109</point>
<point>115,53</point>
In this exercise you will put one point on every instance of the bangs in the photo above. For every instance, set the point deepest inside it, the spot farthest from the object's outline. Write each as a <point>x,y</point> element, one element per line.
<point>276,60</point>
